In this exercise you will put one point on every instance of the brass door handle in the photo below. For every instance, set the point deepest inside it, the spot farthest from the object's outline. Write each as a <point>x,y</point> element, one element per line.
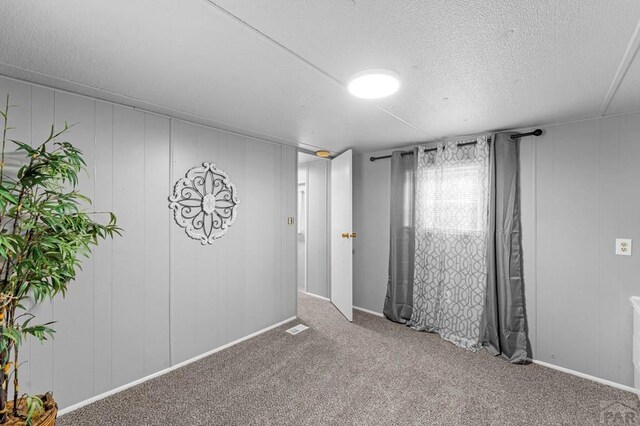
<point>345,235</point>
<point>353,235</point>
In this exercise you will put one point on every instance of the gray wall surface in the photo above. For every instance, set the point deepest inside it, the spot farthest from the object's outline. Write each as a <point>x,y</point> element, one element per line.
<point>301,238</point>
<point>579,193</point>
<point>371,211</point>
<point>317,174</point>
<point>154,297</point>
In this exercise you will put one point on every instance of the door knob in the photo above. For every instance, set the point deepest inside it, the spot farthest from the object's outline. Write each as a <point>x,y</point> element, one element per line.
<point>345,235</point>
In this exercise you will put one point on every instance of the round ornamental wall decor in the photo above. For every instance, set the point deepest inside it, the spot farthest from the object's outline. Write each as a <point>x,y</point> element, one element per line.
<point>204,203</point>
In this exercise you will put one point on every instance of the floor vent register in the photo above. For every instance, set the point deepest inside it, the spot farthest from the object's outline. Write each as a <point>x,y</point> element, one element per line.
<point>297,329</point>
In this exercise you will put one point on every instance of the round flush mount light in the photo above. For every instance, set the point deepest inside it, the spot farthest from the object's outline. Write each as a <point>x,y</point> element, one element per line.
<point>323,153</point>
<point>374,83</point>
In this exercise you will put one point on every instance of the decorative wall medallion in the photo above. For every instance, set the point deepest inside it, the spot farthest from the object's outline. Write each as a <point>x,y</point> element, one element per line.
<point>204,203</point>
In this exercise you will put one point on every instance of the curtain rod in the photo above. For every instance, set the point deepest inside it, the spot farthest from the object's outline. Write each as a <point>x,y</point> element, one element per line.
<point>536,132</point>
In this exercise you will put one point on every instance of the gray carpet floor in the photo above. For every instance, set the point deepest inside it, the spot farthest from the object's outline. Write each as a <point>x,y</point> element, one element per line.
<point>372,371</point>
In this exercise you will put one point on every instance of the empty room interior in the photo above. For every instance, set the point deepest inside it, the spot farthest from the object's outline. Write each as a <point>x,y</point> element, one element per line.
<point>359,212</point>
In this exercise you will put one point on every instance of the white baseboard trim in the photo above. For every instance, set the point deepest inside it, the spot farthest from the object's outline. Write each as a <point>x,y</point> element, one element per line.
<point>315,295</point>
<point>378,314</point>
<point>589,377</point>
<point>167,370</point>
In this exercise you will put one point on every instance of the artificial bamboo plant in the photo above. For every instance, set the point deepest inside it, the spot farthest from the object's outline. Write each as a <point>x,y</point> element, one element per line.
<point>45,229</point>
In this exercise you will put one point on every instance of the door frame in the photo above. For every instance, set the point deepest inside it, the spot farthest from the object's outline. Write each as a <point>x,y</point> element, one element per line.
<point>337,235</point>
<point>302,186</point>
<point>327,206</point>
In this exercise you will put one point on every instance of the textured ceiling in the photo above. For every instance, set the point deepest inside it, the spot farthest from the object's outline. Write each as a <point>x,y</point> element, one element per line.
<point>274,68</point>
<point>307,158</point>
<point>627,96</point>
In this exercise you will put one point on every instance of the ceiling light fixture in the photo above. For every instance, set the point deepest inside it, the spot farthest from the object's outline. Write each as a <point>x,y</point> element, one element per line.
<point>323,153</point>
<point>374,83</point>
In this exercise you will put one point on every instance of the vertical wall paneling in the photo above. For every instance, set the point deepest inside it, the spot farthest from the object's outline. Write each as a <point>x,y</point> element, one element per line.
<point>608,195</point>
<point>572,281</point>
<point>154,297</point>
<point>288,258</point>
<point>233,290</point>
<point>20,124</point>
<point>628,227</point>
<point>184,277</point>
<point>328,241</point>
<point>528,204</point>
<point>73,362</point>
<point>156,248</point>
<point>545,152</point>
<point>301,238</point>
<point>279,209</point>
<point>40,363</point>
<point>128,259</point>
<point>234,287</point>
<point>259,237</point>
<point>579,193</point>
<point>371,222</point>
<point>103,253</point>
<point>211,147</point>
<point>317,230</point>
<point>224,313</point>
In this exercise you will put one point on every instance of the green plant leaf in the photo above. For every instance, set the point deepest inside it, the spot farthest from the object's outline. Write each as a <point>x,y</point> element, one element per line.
<point>46,229</point>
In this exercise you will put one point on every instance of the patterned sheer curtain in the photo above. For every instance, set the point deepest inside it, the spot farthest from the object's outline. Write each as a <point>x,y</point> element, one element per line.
<point>451,225</point>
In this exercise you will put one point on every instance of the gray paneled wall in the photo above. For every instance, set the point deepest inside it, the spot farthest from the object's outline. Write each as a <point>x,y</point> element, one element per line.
<point>301,276</point>
<point>581,183</point>
<point>154,297</point>
<point>315,175</point>
<point>249,262</point>
<point>371,212</point>
<point>579,192</point>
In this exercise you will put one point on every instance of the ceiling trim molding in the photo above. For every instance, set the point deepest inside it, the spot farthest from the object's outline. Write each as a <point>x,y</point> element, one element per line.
<point>75,88</point>
<point>307,62</point>
<point>621,72</point>
<point>385,151</point>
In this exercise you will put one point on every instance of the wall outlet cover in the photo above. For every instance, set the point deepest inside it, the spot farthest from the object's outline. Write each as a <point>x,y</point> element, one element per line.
<point>623,246</point>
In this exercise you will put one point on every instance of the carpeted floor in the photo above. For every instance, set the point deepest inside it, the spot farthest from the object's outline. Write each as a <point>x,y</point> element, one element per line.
<point>372,371</point>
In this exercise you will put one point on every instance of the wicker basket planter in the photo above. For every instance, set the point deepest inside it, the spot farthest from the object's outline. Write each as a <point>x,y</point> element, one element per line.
<point>47,418</point>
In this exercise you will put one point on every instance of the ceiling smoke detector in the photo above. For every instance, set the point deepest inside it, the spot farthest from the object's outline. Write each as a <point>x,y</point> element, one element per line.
<point>374,83</point>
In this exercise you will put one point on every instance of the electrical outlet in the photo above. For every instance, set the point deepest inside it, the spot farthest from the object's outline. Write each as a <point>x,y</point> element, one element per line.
<point>623,247</point>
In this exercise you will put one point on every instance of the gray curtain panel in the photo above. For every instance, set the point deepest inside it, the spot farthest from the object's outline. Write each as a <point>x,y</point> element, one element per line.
<point>451,224</point>
<point>505,318</point>
<point>398,301</point>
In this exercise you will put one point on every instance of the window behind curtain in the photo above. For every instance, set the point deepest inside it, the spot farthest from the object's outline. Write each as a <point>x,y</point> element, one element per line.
<point>451,223</point>
<point>407,211</point>
<point>455,198</point>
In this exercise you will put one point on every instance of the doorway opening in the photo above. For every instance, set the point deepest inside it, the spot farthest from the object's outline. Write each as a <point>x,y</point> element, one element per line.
<point>313,244</point>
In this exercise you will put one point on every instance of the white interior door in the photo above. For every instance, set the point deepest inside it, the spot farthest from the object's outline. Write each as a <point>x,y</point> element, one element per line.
<point>341,235</point>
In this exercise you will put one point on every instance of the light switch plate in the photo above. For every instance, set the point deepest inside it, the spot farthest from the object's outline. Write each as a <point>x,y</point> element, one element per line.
<point>623,246</point>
